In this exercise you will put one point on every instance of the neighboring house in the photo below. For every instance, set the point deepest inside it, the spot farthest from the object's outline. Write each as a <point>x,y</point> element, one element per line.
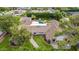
<point>18,12</point>
<point>74,13</point>
<point>42,10</point>
<point>35,27</point>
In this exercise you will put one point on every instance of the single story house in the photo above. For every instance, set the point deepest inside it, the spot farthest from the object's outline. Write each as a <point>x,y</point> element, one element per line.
<point>17,12</point>
<point>35,27</point>
<point>74,13</point>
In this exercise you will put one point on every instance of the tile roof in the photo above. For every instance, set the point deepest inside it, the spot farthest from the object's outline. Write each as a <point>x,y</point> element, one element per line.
<point>48,30</point>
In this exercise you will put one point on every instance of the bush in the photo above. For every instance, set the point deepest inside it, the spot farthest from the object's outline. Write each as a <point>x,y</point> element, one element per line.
<point>41,15</point>
<point>17,41</point>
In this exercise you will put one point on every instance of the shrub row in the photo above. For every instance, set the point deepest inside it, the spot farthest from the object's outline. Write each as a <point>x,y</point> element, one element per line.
<point>41,15</point>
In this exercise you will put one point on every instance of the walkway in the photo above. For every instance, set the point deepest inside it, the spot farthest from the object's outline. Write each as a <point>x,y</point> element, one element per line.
<point>34,43</point>
<point>54,45</point>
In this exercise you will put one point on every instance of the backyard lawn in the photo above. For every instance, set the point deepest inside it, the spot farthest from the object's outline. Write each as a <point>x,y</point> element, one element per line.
<point>5,46</point>
<point>43,46</point>
<point>26,46</point>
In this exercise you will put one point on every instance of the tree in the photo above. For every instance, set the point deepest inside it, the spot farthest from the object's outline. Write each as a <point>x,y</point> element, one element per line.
<point>2,9</point>
<point>58,15</point>
<point>74,48</point>
<point>33,17</point>
<point>75,20</point>
<point>19,35</point>
<point>6,22</point>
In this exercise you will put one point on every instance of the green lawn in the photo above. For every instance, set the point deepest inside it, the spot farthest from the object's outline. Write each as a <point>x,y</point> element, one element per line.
<point>43,45</point>
<point>27,46</point>
<point>5,46</point>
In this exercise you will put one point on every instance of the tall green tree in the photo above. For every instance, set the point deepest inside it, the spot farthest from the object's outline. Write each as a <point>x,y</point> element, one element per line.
<point>18,30</point>
<point>2,9</point>
<point>19,35</point>
<point>58,15</point>
<point>6,22</point>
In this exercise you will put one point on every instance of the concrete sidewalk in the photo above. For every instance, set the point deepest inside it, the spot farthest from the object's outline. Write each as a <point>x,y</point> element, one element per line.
<point>32,41</point>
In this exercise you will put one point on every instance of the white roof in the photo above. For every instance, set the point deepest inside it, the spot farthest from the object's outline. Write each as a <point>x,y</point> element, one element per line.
<point>35,23</point>
<point>60,38</point>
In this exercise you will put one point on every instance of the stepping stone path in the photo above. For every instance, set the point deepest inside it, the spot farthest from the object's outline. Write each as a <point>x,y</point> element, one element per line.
<point>32,41</point>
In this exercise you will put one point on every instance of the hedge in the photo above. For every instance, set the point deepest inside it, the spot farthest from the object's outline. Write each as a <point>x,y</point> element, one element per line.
<point>41,15</point>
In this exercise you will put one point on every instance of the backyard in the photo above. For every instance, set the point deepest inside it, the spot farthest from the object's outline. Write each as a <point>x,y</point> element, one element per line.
<point>43,45</point>
<point>26,46</point>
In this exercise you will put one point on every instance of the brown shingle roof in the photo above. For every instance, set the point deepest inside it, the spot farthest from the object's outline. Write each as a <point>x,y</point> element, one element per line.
<point>37,28</point>
<point>48,30</point>
<point>25,20</point>
<point>53,26</point>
